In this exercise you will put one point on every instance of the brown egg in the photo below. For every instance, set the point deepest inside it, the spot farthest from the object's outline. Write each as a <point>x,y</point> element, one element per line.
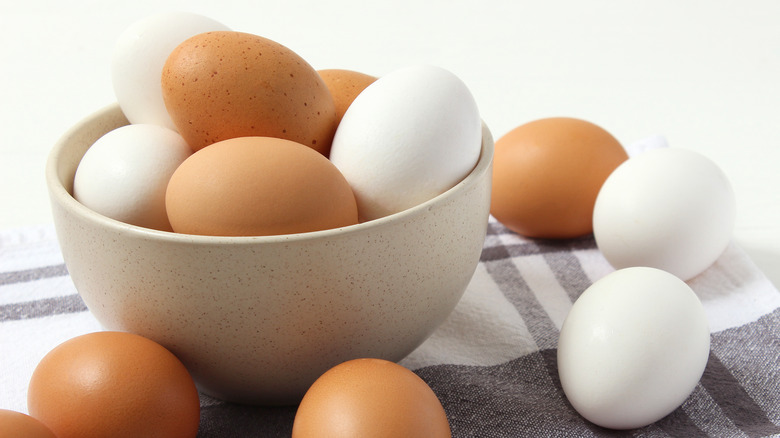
<point>220,85</point>
<point>258,186</point>
<point>344,86</point>
<point>114,384</point>
<point>18,425</point>
<point>547,174</point>
<point>370,398</point>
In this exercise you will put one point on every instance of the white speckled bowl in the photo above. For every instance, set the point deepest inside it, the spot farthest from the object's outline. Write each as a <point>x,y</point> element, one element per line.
<point>258,319</point>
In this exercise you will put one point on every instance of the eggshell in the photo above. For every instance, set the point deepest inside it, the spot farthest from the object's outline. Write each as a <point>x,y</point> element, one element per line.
<point>139,55</point>
<point>344,86</point>
<point>114,384</point>
<point>547,174</point>
<point>18,425</point>
<point>370,398</point>
<point>125,173</point>
<point>632,348</point>
<point>255,186</point>
<point>221,85</point>
<point>408,137</point>
<point>669,208</point>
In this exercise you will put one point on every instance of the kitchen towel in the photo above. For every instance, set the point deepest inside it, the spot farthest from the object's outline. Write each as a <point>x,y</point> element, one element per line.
<point>493,361</point>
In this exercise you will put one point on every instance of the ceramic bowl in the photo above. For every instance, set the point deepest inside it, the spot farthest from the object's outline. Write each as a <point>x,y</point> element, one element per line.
<point>257,319</point>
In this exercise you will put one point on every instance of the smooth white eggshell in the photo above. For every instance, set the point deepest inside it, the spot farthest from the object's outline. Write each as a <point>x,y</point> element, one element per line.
<point>632,348</point>
<point>139,55</point>
<point>668,208</point>
<point>408,137</point>
<point>125,173</point>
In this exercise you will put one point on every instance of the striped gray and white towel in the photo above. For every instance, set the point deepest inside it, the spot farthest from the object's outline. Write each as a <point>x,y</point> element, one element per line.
<point>492,363</point>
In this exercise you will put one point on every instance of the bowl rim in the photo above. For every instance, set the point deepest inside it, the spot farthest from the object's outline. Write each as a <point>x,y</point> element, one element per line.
<point>58,193</point>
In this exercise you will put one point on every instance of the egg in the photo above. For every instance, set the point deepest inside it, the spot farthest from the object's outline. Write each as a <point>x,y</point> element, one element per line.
<point>547,174</point>
<point>408,137</point>
<point>114,384</point>
<point>139,55</point>
<point>632,348</point>
<point>257,186</point>
<point>221,85</point>
<point>125,173</point>
<point>18,425</point>
<point>668,208</point>
<point>370,398</point>
<point>344,86</point>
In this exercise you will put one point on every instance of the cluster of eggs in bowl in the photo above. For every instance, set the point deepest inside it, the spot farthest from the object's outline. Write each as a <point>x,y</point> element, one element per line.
<point>257,318</point>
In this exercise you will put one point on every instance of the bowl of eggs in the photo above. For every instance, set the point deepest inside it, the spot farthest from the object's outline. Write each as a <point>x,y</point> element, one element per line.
<point>266,269</point>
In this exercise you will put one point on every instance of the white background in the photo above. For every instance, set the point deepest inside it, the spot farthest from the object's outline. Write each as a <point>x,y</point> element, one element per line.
<point>705,74</point>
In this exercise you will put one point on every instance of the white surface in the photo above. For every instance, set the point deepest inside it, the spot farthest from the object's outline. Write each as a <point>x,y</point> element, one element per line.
<point>706,75</point>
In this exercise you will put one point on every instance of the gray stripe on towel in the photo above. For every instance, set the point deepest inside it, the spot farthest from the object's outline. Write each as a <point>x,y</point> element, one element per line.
<point>679,424</point>
<point>511,399</point>
<point>517,292</point>
<point>736,375</point>
<point>491,253</point>
<point>734,401</point>
<point>568,271</point>
<point>40,308</point>
<point>33,274</point>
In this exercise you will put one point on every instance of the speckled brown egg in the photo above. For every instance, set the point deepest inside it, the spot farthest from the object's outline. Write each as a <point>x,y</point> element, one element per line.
<point>547,174</point>
<point>224,84</point>
<point>258,186</point>
<point>344,86</point>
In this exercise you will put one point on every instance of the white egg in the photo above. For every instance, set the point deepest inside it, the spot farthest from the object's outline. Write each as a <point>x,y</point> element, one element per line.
<point>125,173</point>
<point>138,58</point>
<point>408,137</point>
<point>632,348</point>
<point>668,208</point>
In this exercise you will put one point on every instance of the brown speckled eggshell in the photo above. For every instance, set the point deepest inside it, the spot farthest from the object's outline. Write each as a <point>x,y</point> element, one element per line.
<point>344,86</point>
<point>258,186</point>
<point>224,84</point>
<point>547,174</point>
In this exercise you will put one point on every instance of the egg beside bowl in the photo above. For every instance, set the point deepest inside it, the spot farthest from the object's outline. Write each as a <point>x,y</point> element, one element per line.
<point>258,319</point>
